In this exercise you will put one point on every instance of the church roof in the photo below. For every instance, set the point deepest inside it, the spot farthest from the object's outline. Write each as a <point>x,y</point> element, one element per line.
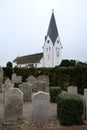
<point>28,59</point>
<point>52,29</point>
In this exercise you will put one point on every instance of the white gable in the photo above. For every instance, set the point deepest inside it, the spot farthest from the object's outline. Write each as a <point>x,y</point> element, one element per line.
<point>52,52</point>
<point>57,52</point>
<point>47,53</point>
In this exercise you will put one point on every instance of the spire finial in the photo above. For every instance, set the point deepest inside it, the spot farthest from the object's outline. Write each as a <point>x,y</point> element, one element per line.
<point>52,10</point>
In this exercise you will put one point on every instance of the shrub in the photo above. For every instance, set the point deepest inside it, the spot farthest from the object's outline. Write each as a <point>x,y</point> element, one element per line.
<point>7,72</point>
<point>9,64</point>
<point>69,109</point>
<point>16,85</point>
<point>54,91</point>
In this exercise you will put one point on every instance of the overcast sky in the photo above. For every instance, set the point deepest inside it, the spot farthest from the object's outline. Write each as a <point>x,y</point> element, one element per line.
<point>24,24</point>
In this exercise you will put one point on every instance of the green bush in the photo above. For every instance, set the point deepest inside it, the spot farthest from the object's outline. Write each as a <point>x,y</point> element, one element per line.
<point>16,85</point>
<point>69,109</point>
<point>54,91</point>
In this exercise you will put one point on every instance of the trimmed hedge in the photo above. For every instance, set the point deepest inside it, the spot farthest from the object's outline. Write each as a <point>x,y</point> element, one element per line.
<point>16,85</point>
<point>54,91</point>
<point>70,109</point>
<point>58,76</point>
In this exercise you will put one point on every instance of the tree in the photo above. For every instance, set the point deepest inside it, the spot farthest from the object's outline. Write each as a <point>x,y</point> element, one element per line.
<point>65,63</point>
<point>72,63</point>
<point>9,64</point>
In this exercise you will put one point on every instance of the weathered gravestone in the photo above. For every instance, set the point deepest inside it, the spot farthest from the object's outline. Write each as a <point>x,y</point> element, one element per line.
<point>7,81</point>
<point>14,78</point>
<point>44,78</point>
<point>31,79</point>
<point>7,87</point>
<point>1,78</point>
<point>39,85</point>
<point>26,89</point>
<point>72,90</point>
<point>13,106</point>
<point>19,79</point>
<point>40,106</point>
<point>85,104</point>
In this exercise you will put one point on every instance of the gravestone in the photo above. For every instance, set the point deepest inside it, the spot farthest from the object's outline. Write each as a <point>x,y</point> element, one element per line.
<point>39,85</point>
<point>13,107</point>
<point>46,79</point>
<point>14,78</point>
<point>31,79</point>
<point>7,81</point>
<point>6,88</point>
<point>85,105</point>
<point>26,89</point>
<point>19,79</point>
<point>1,78</point>
<point>72,90</point>
<point>40,107</point>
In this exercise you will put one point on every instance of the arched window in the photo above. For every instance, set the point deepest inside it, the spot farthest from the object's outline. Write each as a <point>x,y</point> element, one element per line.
<point>57,41</point>
<point>48,41</point>
<point>56,48</point>
<point>49,49</point>
<point>46,49</point>
<point>48,57</point>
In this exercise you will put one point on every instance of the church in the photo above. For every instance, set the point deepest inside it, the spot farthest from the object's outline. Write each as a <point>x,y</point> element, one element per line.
<point>52,50</point>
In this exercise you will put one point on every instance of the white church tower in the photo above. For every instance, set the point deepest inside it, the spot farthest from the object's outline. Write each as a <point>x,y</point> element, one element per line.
<point>52,46</point>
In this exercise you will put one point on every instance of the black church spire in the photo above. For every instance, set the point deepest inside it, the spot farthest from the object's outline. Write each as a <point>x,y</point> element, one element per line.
<point>52,30</point>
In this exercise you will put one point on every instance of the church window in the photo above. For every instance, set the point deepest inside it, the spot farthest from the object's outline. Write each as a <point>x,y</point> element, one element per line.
<point>57,57</point>
<point>57,51</point>
<point>56,48</point>
<point>48,41</point>
<point>47,49</point>
<point>57,41</point>
<point>57,54</point>
<point>48,57</point>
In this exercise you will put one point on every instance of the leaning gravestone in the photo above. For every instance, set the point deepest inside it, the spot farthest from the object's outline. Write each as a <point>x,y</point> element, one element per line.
<point>72,90</point>
<point>26,89</point>
<point>1,78</point>
<point>40,106</point>
<point>13,106</point>
<point>45,78</point>
<point>31,79</point>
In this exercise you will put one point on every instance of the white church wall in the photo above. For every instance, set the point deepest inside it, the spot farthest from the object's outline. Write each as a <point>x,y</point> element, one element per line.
<point>57,53</point>
<point>40,64</point>
<point>48,53</point>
